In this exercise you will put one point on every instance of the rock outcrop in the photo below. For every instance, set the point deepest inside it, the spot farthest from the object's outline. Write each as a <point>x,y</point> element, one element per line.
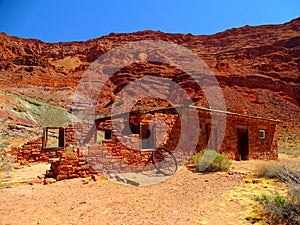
<point>257,68</point>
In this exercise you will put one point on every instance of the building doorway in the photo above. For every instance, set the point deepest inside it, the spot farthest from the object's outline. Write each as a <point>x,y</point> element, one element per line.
<point>243,147</point>
<point>147,135</point>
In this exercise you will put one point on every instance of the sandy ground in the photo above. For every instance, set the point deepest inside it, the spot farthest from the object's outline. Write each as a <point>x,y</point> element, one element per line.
<point>185,198</point>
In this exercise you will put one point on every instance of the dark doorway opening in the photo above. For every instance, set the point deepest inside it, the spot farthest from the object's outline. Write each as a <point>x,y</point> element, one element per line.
<point>147,135</point>
<point>243,148</point>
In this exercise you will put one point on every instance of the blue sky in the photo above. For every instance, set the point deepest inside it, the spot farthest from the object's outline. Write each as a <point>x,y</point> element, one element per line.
<point>74,20</point>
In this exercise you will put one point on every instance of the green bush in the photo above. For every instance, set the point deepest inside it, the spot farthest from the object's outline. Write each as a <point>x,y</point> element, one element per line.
<point>210,161</point>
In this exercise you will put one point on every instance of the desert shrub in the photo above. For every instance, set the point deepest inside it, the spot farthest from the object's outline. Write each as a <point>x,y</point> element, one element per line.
<point>286,171</point>
<point>289,144</point>
<point>294,192</point>
<point>278,208</point>
<point>4,144</point>
<point>290,150</point>
<point>6,161</point>
<point>211,161</point>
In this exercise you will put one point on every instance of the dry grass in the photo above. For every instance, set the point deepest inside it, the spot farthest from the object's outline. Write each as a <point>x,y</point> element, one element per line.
<point>280,208</point>
<point>286,170</point>
<point>289,143</point>
<point>6,161</point>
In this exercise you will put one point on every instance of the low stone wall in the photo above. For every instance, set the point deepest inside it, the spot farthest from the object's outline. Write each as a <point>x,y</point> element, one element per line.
<point>109,158</point>
<point>32,151</point>
<point>70,165</point>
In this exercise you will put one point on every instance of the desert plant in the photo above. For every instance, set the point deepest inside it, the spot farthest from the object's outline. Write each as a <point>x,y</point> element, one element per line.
<point>4,144</point>
<point>294,193</point>
<point>211,161</point>
<point>278,208</point>
<point>289,144</point>
<point>286,171</point>
<point>6,161</point>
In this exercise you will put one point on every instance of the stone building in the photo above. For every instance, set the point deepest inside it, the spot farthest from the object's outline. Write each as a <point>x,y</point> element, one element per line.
<point>242,137</point>
<point>121,143</point>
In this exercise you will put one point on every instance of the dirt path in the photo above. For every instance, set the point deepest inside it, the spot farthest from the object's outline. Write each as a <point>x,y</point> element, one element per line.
<point>185,198</point>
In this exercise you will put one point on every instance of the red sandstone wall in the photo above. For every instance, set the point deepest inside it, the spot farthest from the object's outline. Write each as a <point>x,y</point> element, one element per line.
<point>33,150</point>
<point>70,165</point>
<point>168,130</point>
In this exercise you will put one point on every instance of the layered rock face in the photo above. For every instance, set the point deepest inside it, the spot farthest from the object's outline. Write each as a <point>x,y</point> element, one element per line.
<point>257,69</point>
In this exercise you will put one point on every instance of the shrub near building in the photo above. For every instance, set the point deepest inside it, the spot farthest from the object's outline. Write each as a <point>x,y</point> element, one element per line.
<point>210,161</point>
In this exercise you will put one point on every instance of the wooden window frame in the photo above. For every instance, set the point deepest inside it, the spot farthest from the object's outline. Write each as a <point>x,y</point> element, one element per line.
<point>61,137</point>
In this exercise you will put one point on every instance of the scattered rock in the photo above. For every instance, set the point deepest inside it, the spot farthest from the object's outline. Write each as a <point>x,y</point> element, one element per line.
<point>49,181</point>
<point>94,177</point>
<point>85,181</point>
<point>24,162</point>
<point>256,181</point>
<point>18,167</point>
<point>50,173</point>
<point>41,177</point>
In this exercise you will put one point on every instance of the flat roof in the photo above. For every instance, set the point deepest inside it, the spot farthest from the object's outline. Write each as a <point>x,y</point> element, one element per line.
<point>176,108</point>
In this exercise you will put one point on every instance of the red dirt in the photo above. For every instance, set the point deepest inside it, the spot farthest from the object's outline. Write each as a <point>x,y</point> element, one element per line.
<point>186,198</point>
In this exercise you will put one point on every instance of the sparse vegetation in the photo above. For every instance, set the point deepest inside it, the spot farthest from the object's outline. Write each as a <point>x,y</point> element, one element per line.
<point>289,144</point>
<point>287,171</point>
<point>6,161</point>
<point>4,145</point>
<point>281,209</point>
<point>210,161</point>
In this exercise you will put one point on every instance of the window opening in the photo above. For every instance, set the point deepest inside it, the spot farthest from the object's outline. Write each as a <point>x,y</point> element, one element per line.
<point>262,134</point>
<point>54,137</point>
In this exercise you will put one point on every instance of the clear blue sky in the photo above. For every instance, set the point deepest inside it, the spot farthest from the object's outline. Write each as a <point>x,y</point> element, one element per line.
<point>74,20</point>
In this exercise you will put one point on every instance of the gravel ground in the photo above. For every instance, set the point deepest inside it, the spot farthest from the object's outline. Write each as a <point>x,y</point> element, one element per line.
<point>185,198</point>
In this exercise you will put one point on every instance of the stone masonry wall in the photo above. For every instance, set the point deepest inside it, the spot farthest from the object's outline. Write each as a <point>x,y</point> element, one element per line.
<point>33,150</point>
<point>122,153</point>
<point>266,149</point>
<point>70,165</point>
<point>168,128</point>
